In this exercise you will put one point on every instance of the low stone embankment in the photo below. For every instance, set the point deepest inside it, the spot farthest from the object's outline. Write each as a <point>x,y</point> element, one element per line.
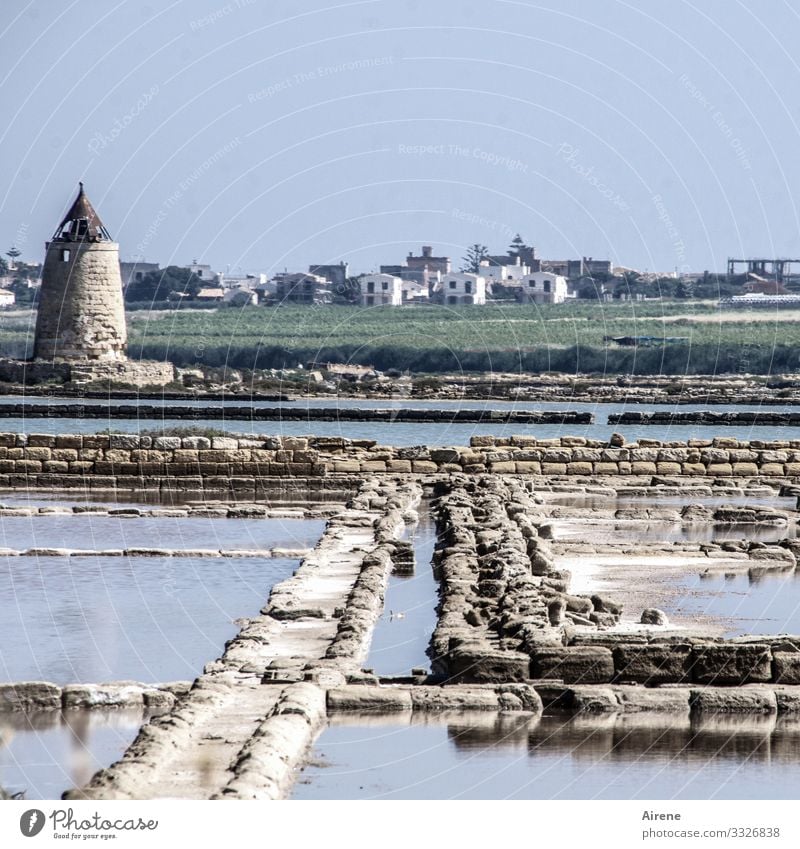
<point>361,701</point>
<point>205,412</point>
<point>262,553</point>
<point>708,417</point>
<point>247,722</point>
<point>327,465</point>
<point>29,696</point>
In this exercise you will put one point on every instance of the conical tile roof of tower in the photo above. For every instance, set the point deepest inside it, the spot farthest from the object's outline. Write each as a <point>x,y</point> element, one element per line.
<point>81,223</point>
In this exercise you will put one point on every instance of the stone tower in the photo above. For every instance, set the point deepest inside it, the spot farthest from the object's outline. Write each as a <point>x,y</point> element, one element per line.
<point>81,312</point>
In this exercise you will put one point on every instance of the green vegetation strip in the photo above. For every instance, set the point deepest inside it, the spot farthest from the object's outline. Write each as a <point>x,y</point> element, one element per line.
<point>684,338</point>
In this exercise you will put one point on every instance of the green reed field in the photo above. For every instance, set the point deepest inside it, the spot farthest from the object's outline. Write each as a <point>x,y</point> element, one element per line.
<point>567,338</point>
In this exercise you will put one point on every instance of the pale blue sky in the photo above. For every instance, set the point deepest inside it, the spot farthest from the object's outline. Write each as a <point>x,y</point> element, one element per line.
<point>265,134</point>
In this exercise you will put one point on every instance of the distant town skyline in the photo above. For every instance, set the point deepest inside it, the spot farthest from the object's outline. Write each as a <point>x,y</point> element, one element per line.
<point>255,137</point>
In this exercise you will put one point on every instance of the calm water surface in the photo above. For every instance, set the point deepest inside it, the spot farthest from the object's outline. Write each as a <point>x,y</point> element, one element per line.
<point>402,634</point>
<point>44,754</point>
<point>151,619</point>
<point>507,757</point>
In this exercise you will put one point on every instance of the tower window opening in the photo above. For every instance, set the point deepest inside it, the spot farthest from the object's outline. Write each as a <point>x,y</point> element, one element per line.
<point>65,255</point>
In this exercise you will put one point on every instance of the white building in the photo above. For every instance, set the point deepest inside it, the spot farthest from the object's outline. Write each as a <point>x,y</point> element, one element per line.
<point>543,287</point>
<point>202,271</point>
<point>231,280</point>
<point>415,292</point>
<point>381,290</point>
<point>461,288</point>
<point>7,298</point>
<point>241,296</point>
<point>512,271</point>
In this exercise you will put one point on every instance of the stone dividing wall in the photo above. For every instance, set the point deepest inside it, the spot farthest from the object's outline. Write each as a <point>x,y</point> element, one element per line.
<point>506,615</point>
<point>132,461</point>
<point>244,726</point>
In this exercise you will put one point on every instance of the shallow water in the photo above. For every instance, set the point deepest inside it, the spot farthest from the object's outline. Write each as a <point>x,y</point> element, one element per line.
<point>44,754</point>
<point>747,604</point>
<point>655,531</point>
<point>85,531</point>
<point>513,757</point>
<point>400,643</point>
<point>151,619</point>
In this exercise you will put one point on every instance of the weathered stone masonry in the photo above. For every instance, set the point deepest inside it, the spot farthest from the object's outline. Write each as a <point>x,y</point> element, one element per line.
<point>506,613</point>
<point>132,461</point>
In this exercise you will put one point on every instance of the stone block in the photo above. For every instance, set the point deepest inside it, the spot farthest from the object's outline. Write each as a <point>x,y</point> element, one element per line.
<point>693,469</point>
<point>167,443</point>
<point>745,470</point>
<point>30,695</point>
<point>579,468</point>
<point>224,443</point>
<point>349,466</point>
<point>358,698</point>
<point>643,468</point>
<point>574,664</point>
<point>115,455</point>
<point>27,465</point>
<point>368,466</point>
<point>772,469</point>
<point>723,664</point>
<point>659,663</point>
<point>554,468</point>
<point>454,698</point>
<point>606,468</point>
<point>528,467</point>
<point>506,467</point>
<point>484,664</point>
<point>124,441</point>
<point>56,466</point>
<point>196,443</point>
<point>665,468</point>
<point>733,700</point>
<point>786,667</point>
<point>719,469</point>
<point>41,440</point>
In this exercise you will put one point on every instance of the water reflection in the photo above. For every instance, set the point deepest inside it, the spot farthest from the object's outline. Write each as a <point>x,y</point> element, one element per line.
<point>495,756</point>
<point>87,531</point>
<point>43,754</point>
<point>151,619</point>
